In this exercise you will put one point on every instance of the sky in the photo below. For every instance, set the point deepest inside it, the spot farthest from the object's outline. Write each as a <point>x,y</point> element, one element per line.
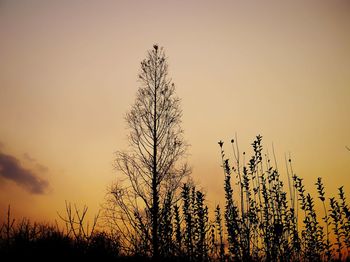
<point>68,75</point>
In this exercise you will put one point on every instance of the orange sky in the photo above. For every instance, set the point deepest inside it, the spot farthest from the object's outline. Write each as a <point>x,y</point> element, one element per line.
<point>68,75</point>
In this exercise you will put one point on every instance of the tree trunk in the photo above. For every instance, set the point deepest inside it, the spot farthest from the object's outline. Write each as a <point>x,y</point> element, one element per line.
<point>155,210</point>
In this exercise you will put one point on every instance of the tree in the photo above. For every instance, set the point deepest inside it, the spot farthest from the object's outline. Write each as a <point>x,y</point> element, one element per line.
<point>151,168</point>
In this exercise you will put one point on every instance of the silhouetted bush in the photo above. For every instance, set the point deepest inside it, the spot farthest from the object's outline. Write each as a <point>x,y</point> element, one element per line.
<point>26,240</point>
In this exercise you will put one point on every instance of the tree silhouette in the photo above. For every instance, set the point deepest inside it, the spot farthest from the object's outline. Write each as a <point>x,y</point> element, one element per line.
<point>151,170</point>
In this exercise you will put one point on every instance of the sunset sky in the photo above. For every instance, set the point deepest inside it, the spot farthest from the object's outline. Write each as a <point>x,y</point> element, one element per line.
<point>68,75</point>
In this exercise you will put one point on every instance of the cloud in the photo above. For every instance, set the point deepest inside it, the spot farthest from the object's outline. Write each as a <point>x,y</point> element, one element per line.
<point>39,167</point>
<point>11,169</point>
<point>26,156</point>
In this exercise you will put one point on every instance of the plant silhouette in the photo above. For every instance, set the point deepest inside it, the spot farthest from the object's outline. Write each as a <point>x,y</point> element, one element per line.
<point>152,174</point>
<point>264,225</point>
<point>27,240</point>
<point>155,212</point>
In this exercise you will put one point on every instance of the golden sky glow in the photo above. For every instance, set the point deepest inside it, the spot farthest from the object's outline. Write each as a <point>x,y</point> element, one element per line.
<point>68,75</point>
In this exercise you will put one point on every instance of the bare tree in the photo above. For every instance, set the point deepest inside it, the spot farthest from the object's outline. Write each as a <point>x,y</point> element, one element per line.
<point>151,169</point>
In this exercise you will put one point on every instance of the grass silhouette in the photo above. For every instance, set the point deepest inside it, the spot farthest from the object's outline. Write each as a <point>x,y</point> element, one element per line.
<point>262,220</point>
<point>24,239</point>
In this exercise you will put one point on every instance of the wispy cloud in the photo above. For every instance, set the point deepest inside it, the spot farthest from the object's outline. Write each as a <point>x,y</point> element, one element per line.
<point>28,157</point>
<point>39,167</point>
<point>11,169</point>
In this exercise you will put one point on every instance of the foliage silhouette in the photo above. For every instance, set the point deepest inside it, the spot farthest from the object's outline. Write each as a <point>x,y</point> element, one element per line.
<point>269,227</point>
<point>26,240</point>
<point>155,212</point>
